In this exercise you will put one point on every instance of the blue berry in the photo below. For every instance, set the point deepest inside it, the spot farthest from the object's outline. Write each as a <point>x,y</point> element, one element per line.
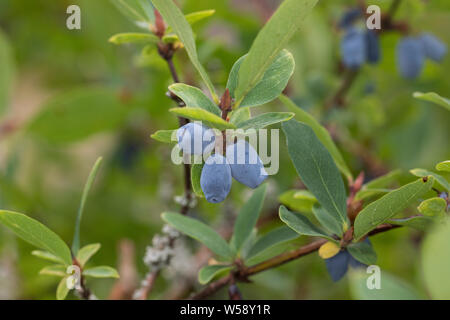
<point>434,48</point>
<point>353,48</point>
<point>337,266</point>
<point>195,138</point>
<point>373,46</point>
<point>246,166</point>
<point>410,57</point>
<point>349,17</point>
<point>215,179</point>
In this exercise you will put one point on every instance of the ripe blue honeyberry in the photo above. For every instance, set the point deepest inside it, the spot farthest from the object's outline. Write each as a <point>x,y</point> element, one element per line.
<point>337,265</point>
<point>353,48</point>
<point>246,166</point>
<point>373,47</point>
<point>349,17</point>
<point>410,57</point>
<point>215,179</point>
<point>434,48</point>
<point>195,138</point>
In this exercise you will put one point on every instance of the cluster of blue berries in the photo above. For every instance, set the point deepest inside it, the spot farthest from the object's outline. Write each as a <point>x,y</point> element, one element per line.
<point>412,52</point>
<point>358,46</point>
<point>241,162</point>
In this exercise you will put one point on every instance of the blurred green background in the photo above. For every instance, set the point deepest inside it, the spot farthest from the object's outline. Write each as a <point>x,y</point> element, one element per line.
<point>115,98</point>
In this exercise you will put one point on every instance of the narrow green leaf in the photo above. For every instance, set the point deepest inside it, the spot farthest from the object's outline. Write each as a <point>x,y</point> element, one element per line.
<point>101,272</point>
<point>138,11</point>
<point>321,133</point>
<point>36,234</point>
<point>369,193</point>
<point>46,256</point>
<point>274,36</point>
<point>271,239</point>
<point>87,188</point>
<point>86,253</point>
<point>209,118</point>
<point>443,166</point>
<point>383,181</point>
<point>134,37</point>
<point>176,20</point>
<point>417,222</point>
<point>316,168</point>
<point>328,221</point>
<point>240,115</point>
<point>196,171</point>
<point>194,97</point>
<point>165,136</point>
<point>55,270</point>
<point>247,217</point>
<point>298,200</point>
<point>195,17</point>
<point>272,83</point>
<point>7,72</point>
<point>207,273</point>
<point>433,207</point>
<point>363,252</point>
<point>433,97</point>
<point>438,178</point>
<point>389,205</point>
<point>200,232</point>
<point>266,119</point>
<point>436,261</point>
<point>391,288</point>
<point>300,224</point>
<point>62,290</point>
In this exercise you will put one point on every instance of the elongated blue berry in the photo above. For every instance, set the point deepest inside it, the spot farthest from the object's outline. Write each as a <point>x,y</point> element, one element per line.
<point>410,57</point>
<point>195,138</point>
<point>373,47</point>
<point>434,48</point>
<point>215,179</point>
<point>246,166</point>
<point>353,48</point>
<point>349,17</point>
<point>337,266</point>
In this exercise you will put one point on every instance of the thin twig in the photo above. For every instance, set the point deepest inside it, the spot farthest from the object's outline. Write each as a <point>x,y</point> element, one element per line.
<point>149,283</point>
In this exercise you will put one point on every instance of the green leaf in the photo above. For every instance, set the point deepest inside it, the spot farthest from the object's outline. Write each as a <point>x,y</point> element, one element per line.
<point>165,136</point>
<point>209,118</point>
<point>272,83</point>
<point>194,97</point>
<point>417,222</point>
<point>364,194</point>
<point>266,119</point>
<point>101,272</point>
<point>78,114</point>
<point>328,221</point>
<point>87,188</point>
<point>363,252</point>
<point>62,290</point>
<point>207,273</point>
<point>46,256</point>
<point>383,181</point>
<point>196,172</point>
<point>389,205</point>
<point>433,207</point>
<point>298,200</point>
<point>443,166</point>
<point>55,270</point>
<point>240,115</point>
<point>247,217</point>
<point>273,37</point>
<point>138,11</point>
<point>391,288</point>
<point>86,253</point>
<point>316,168</point>
<point>7,72</point>
<point>200,232</point>
<point>195,17</point>
<point>436,262</point>
<point>321,133</point>
<point>271,239</point>
<point>134,37</point>
<point>36,234</point>
<point>438,178</point>
<point>300,224</point>
<point>176,20</point>
<point>433,97</point>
